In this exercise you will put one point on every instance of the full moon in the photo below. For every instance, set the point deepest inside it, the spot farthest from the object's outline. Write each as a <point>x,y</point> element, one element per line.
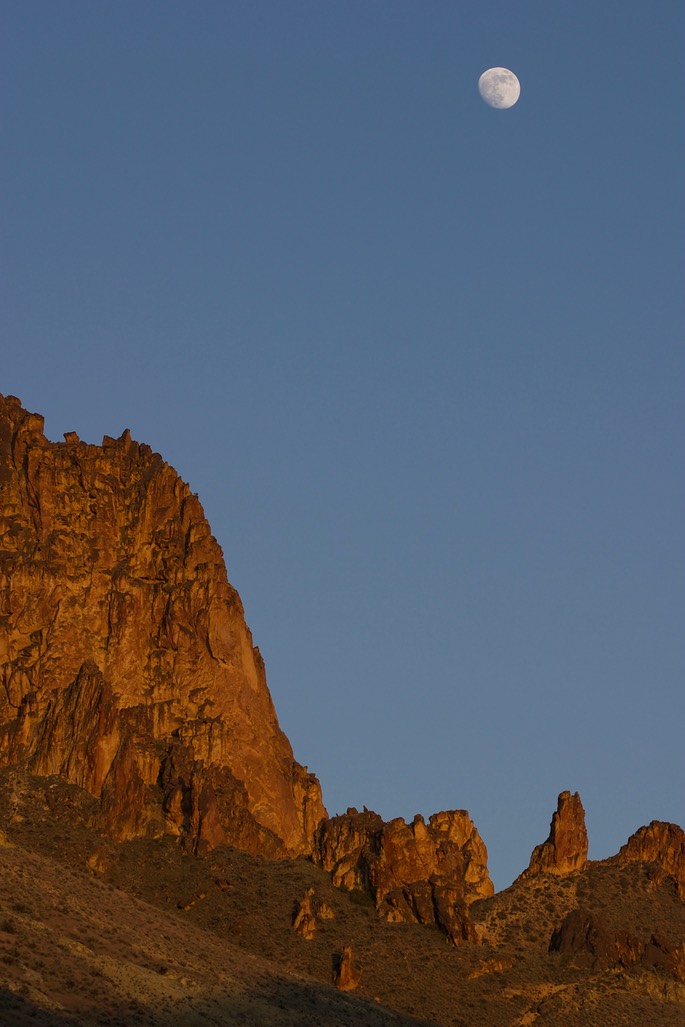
<point>499,87</point>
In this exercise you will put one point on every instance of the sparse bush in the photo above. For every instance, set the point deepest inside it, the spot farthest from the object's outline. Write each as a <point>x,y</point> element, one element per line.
<point>359,897</point>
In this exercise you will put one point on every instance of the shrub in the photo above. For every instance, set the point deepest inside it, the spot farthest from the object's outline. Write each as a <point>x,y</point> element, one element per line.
<point>361,898</point>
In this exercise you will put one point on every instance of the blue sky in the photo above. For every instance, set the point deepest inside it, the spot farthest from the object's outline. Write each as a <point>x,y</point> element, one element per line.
<point>421,359</point>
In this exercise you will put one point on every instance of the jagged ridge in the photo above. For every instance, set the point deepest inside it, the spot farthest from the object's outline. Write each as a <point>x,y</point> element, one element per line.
<point>127,669</point>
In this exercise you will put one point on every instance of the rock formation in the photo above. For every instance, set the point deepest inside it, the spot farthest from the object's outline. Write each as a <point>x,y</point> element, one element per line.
<point>418,872</point>
<point>581,935</point>
<point>308,911</point>
<point>125,661</point>
<point>127,669</point>
<point>583,938</point>
<point>346,976</point>
<point>304,919</point>
<point>660,843</point>
<point>566,847</point>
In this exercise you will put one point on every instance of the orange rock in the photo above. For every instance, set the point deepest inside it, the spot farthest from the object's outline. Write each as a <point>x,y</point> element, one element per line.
<point>421,873</point>
<point>304,920</point>
<point>566,847</point>
<point>126,662</point>
<point>660,843</point>
<point>346,976</point>
<point>128,669</point>
<point>495,965</point>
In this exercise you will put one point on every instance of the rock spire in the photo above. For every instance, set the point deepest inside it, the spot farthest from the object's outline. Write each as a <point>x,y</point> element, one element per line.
<point>566,847</point>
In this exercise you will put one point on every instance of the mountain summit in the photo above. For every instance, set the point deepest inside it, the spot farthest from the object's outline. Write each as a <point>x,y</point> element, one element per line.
<point>127,666</point>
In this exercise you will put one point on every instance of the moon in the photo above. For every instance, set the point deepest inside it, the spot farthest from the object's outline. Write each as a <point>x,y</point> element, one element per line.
<point>499,87</point>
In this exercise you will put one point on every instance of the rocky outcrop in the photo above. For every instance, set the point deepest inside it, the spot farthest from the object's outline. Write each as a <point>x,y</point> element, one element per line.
<point>495,965</point>
<point>308,911</point>
<point>582,936</point>
<point>126,666</point>
<point>304,918</point>
<point>566,847</point>
<point>660,843</point>
<point>584,939</point>
<point>418,872</point>
<point>346,976</point>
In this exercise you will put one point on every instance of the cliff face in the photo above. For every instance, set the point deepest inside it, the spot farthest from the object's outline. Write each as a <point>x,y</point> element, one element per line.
<point>126,665</point>
<point>126,668</point>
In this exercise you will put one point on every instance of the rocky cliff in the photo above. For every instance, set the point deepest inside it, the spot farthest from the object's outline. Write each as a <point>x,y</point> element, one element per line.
<point>127,669</point>
<point>125,661</point>
<point>662,844</point>
<point>418,872</point>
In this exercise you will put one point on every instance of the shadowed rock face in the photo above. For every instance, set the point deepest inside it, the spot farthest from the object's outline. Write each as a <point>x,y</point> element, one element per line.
<point>581,935</point>
<point>583,938</point>
<point>422,873</point>
<point>566,847</point>
<point>126,665</point>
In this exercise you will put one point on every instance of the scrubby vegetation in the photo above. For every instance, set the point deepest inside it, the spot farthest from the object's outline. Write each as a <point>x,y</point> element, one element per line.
<point>92,932</point>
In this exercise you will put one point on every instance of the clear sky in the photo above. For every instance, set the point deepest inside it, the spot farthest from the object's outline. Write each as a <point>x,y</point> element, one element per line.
<point>421,359</point>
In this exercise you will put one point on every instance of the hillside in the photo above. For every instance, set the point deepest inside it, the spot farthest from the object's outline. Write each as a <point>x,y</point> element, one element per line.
<point>94,931</point>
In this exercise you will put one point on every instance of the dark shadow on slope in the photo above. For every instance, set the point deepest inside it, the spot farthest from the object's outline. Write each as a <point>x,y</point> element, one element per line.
<point>281,1003</point>
<point>317,1006</point>
<point>18,1011</point>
